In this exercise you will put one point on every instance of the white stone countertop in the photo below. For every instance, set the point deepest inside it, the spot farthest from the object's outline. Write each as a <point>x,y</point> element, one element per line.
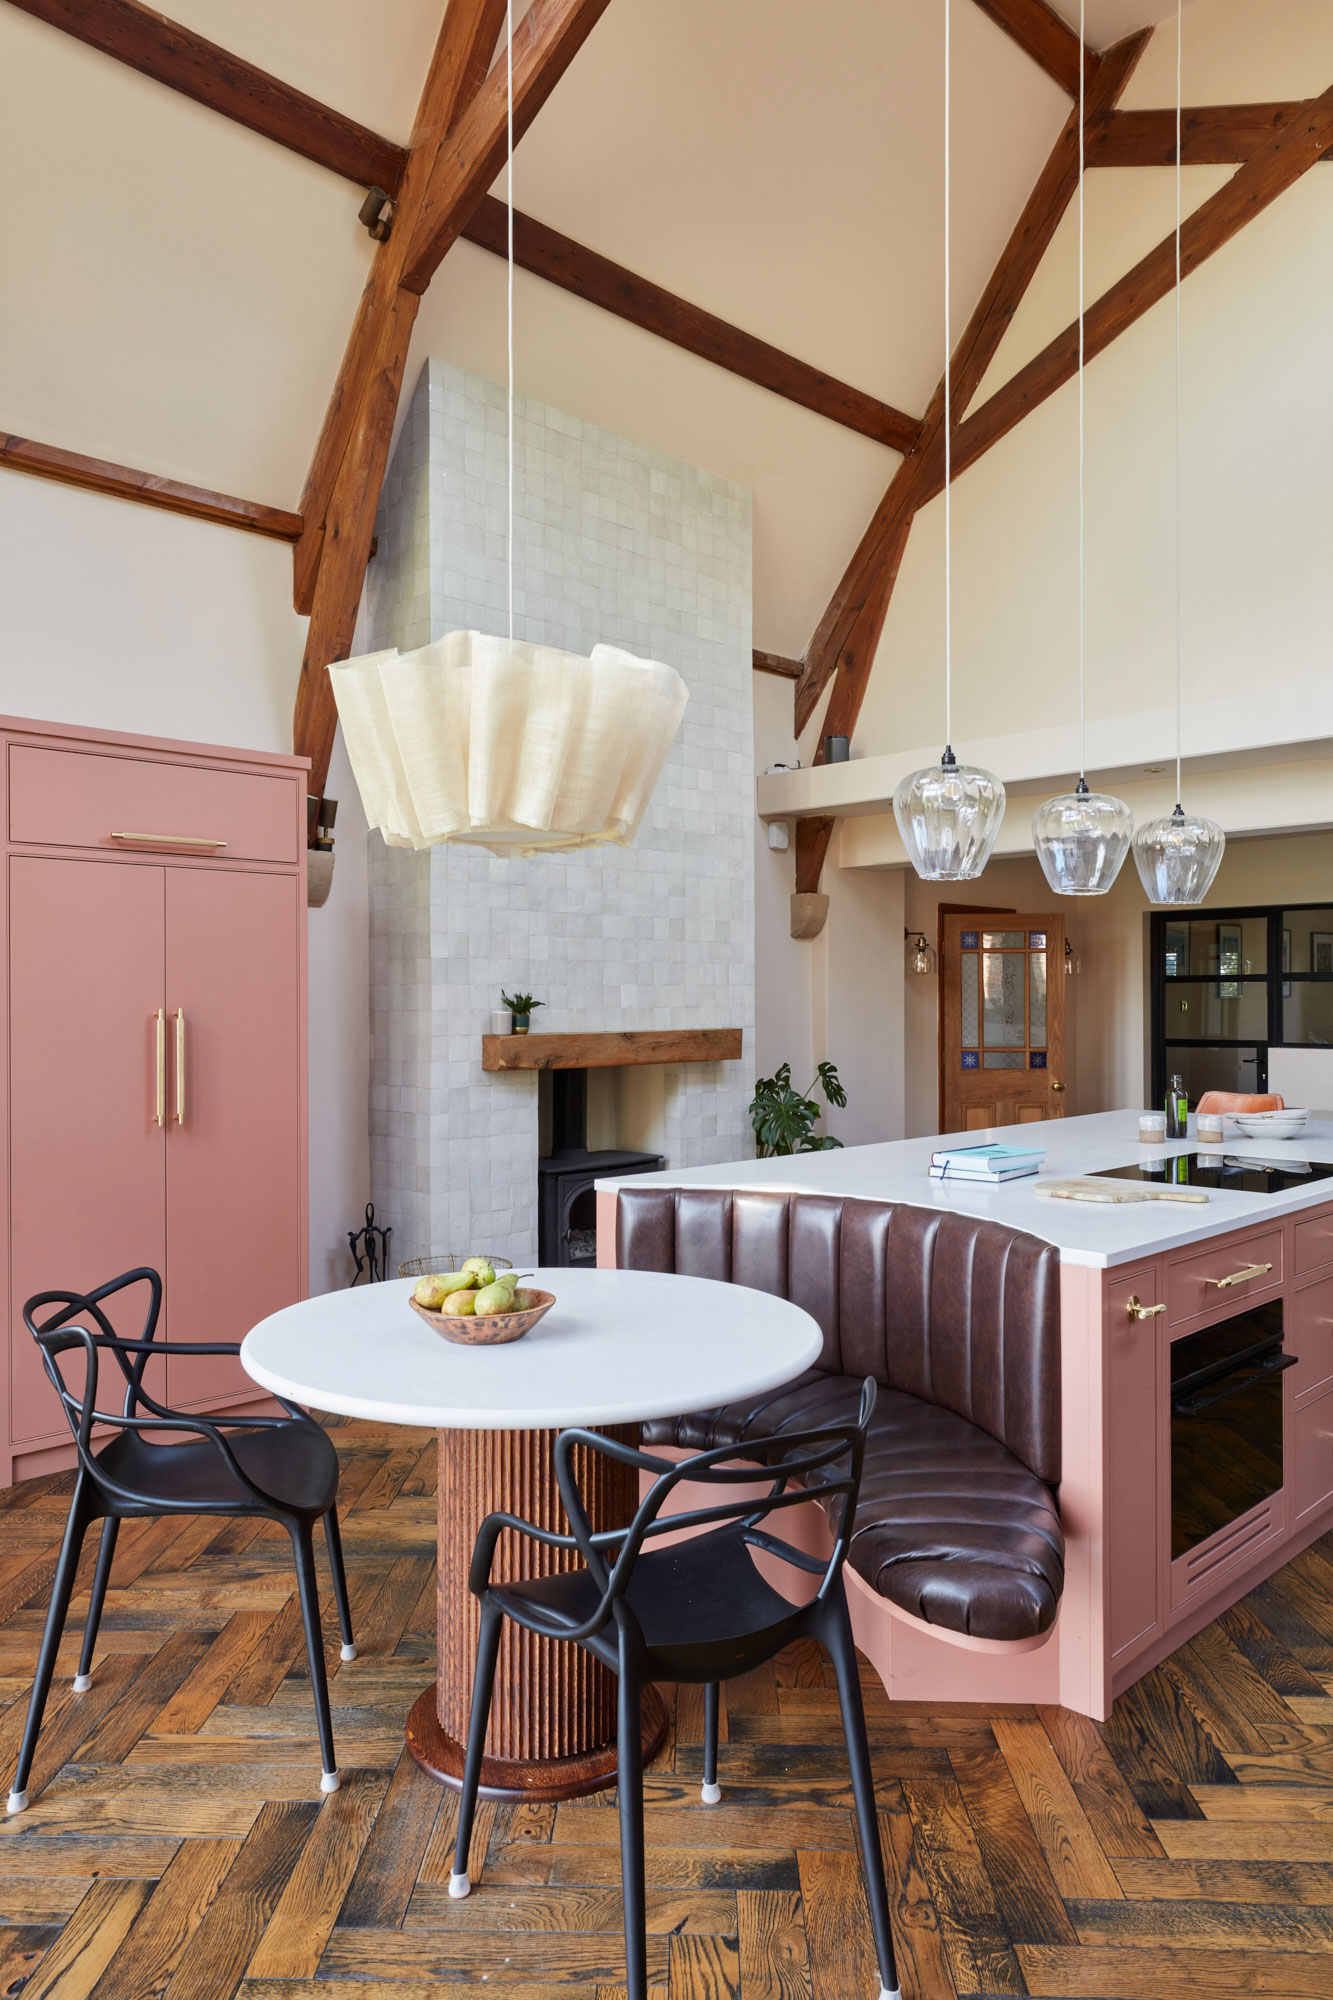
<point>1083,1232</point>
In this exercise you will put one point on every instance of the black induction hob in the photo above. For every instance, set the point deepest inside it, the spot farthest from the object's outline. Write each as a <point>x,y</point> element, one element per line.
<point>1231,1172</point>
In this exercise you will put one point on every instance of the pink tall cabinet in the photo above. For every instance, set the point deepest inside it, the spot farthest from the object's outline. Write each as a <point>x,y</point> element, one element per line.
<point>154,997</point>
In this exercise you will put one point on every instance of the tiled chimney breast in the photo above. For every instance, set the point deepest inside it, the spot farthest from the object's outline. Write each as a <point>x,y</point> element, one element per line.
<point>617,543</point>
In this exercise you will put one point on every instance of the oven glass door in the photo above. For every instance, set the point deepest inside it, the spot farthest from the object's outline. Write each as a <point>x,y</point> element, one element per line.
<point>1226,1423</point>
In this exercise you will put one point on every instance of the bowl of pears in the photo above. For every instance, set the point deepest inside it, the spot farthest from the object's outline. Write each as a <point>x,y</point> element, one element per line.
<point>476,1301</point>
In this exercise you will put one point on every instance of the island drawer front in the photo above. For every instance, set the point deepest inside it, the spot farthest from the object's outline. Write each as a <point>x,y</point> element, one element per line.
<point>1310,1338</point>
<point>1312,1484</point>
<point>1198,1284</point>
<point>1313,1243</point>
<point>80,798</point>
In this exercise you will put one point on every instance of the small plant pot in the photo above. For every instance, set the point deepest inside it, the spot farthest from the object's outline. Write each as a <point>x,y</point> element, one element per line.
<point>519,1023</point>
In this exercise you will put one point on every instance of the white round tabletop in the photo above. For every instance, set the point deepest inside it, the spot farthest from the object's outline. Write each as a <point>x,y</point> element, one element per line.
<point>616,1347</point>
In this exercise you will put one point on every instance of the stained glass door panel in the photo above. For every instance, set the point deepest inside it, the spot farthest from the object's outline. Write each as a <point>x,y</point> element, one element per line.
<point>1002,1020</point>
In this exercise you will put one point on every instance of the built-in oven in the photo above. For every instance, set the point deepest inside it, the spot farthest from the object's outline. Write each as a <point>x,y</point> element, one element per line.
<point>1226,1423</point>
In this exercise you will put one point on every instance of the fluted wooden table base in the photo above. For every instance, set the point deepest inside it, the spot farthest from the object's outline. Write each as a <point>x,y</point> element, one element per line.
<point>553,1718</point>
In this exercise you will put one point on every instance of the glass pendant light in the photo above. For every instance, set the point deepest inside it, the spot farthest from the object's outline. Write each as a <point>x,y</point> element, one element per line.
<point>1178,855</point>
<point>949,815</point>
<point>1082,837</point>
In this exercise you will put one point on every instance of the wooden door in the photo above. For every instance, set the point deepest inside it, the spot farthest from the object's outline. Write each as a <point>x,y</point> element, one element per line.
<point>1002,999</point>
<point>87,1155</point>
<point>235,1155</point>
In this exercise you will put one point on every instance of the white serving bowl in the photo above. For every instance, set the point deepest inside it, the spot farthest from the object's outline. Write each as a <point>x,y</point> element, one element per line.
<point>1286,1124</point>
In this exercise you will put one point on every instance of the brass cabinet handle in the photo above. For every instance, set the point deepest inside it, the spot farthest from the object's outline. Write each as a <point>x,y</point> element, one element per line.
<point>180,1065</point>
<point>160,1117</point>
<point>1239,1277</point>
<point>1137,1310</point>
<point>168,840</point>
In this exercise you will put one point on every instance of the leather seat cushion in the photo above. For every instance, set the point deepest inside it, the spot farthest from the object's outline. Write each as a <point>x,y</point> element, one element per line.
<point>950,1525</point>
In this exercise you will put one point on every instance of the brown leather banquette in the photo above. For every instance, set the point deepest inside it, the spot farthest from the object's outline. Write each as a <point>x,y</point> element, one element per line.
<point>958,1320</point>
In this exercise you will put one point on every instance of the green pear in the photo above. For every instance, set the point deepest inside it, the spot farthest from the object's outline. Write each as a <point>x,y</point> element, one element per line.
<point>524,1301</point>
<point>485,1275</point>
<point>432,1292</point>
<point>495,1299</point>
<point>461,1302</point>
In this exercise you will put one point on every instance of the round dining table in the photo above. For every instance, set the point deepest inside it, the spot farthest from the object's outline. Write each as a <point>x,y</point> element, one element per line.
<point>616,1348</point>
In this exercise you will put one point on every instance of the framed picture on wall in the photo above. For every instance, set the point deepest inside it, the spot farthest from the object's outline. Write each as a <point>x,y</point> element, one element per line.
<point>1321,954</point>
<point>1286,964</point>
<point>1176,951</point>
<point>1229,961</point>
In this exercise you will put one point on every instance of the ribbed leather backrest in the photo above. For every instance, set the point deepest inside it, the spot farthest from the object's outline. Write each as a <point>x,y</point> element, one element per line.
<point>960,1312</point>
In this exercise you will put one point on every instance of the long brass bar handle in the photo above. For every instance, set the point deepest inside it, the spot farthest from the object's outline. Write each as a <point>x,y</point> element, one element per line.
<point>161,1115</point>
<point>1239,1277</point>
<point>180,1065</point>
<point>1137,1310</point>
<point>168,840</point>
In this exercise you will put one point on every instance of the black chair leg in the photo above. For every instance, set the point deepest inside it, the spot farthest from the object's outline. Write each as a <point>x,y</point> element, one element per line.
<point>712,1791</point>
<point>101,1578</point>
<point>62,1589</point>
<point>629,1783</point>
<point>483,1683</point>
<point>335,1542</point>
<point>303,1549</point>
<point>836,1632</point>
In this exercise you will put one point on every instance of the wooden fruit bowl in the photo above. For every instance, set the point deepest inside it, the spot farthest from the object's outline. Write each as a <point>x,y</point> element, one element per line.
<point>491,1329</point>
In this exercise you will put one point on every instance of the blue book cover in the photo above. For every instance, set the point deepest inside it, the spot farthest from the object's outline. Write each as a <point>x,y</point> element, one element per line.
<point>987,1159</point>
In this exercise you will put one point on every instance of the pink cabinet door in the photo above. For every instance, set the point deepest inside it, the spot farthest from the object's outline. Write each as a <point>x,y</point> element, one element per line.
<point>234,1144</point>
<point>87,1158</point>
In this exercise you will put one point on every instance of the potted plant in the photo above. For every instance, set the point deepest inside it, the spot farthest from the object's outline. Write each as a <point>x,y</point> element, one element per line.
<point>784,1119</point>
<point>520,1007</point>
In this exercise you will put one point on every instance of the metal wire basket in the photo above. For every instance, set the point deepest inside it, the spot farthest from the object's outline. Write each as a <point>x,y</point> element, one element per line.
<point>446,1260</point>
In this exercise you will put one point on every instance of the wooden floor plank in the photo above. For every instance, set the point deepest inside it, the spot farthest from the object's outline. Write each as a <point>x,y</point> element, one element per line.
<point>151,1950</point>
<point>773,1961</point>
<point>1026,1895</point>
<point>1061,1827</point>
<point>381,1888</point>
<point>226,1940</point>
<point>90,1940</point>
<point>1053,1972</point>
<point>314,1891</point>
<point>979,1949</point>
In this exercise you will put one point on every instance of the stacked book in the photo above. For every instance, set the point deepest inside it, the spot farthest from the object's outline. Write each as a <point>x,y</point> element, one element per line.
<point>990,1164</point>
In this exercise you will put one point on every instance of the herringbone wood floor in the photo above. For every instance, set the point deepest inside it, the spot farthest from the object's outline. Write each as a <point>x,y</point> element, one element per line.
<point>179,1846</point>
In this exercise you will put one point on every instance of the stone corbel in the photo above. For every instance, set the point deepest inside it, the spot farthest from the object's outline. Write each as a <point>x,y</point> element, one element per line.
<point>809,912</point>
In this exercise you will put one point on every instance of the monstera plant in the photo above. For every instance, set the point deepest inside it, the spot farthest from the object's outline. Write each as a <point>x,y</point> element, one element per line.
<point>784,1119</point>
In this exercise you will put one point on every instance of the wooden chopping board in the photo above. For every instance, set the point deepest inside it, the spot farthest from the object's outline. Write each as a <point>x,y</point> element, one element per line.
<point>1117,1191</point>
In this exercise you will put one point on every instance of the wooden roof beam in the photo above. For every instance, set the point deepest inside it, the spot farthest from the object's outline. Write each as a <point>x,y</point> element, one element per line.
<point>1213,135</point>
<point>150,489</point>
<point>1043,35</point>
<point>213,76</point>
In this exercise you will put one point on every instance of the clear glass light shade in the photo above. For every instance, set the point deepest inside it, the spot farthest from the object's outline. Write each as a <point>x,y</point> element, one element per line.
<point>920,957</point>
<point>1178,856</point>
<point>949,816</point>
<point>1082,839</point>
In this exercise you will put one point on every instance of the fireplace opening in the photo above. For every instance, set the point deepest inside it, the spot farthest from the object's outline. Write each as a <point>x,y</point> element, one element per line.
<point>566,1177</point>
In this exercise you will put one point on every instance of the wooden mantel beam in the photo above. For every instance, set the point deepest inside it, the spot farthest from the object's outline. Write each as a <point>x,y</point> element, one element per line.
<point>150,489</point>
<point>588,275</point>
<point>1041,33</point>
<point>213,76</point>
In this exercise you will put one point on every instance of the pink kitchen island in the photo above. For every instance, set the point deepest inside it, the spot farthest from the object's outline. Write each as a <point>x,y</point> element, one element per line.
<point>1196,1392</point>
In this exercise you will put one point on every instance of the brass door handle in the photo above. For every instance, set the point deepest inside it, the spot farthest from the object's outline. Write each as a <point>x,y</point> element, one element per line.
<point>1137,1310</point>
<point>168,840</point>
<point>1239,1277</point>
<point>160,1116</point>
<point>1057,1086</point>
<point>180,1065</point>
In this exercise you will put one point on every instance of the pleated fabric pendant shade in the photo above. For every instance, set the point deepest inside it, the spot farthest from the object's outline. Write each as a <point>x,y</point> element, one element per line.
<point>513,747</point>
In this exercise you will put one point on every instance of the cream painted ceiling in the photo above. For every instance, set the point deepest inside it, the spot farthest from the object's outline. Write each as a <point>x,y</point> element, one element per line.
<point>178,290</point>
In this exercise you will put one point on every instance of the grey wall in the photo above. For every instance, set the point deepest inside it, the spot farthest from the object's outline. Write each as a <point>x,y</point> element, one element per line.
<point>613,543</point>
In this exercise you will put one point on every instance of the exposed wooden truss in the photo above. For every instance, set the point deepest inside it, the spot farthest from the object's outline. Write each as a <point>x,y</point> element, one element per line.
<point>774,663</point>
<point>1212,135</point>
<point>176,56</point>
<point>548,254</point>
<point>1274,165</point>
<point>1041,33</point>
<point>125,482</point>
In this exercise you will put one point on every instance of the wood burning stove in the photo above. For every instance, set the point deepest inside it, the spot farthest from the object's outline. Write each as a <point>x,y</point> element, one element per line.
<point>566,1196</point>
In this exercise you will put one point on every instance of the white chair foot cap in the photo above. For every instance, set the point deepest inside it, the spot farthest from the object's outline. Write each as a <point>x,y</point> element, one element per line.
<point>347,1653</point>
<point>460,1886</point>
<point>82,1683</point>
<point>330,1781</point>
<point>710,1794</point>
<point>890,1993</point>
<point>18,1802</point>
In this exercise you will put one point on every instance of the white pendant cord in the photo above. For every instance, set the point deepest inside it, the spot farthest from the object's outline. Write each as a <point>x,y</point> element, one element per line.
<point>1180,648</point>
<point>948,404</point>
<point>1082,443</point>
<point>509,202</point>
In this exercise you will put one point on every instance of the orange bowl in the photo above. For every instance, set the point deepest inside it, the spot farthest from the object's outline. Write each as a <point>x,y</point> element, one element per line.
<point>486,1329</point>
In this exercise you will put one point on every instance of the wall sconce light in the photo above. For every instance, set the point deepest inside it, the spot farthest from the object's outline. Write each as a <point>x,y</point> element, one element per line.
<point>1071,960</point>
<point>920,957</point>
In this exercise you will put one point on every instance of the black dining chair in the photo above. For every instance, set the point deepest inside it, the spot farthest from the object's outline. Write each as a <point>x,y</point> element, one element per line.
<point>699,1611</point>
<point>283,1468</point>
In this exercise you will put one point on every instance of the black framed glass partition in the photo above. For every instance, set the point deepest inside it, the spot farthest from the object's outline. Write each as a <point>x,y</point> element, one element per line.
<point>1229,985</point>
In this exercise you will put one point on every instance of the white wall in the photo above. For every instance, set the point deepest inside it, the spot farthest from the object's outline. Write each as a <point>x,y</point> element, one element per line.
<point>119,617</point>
